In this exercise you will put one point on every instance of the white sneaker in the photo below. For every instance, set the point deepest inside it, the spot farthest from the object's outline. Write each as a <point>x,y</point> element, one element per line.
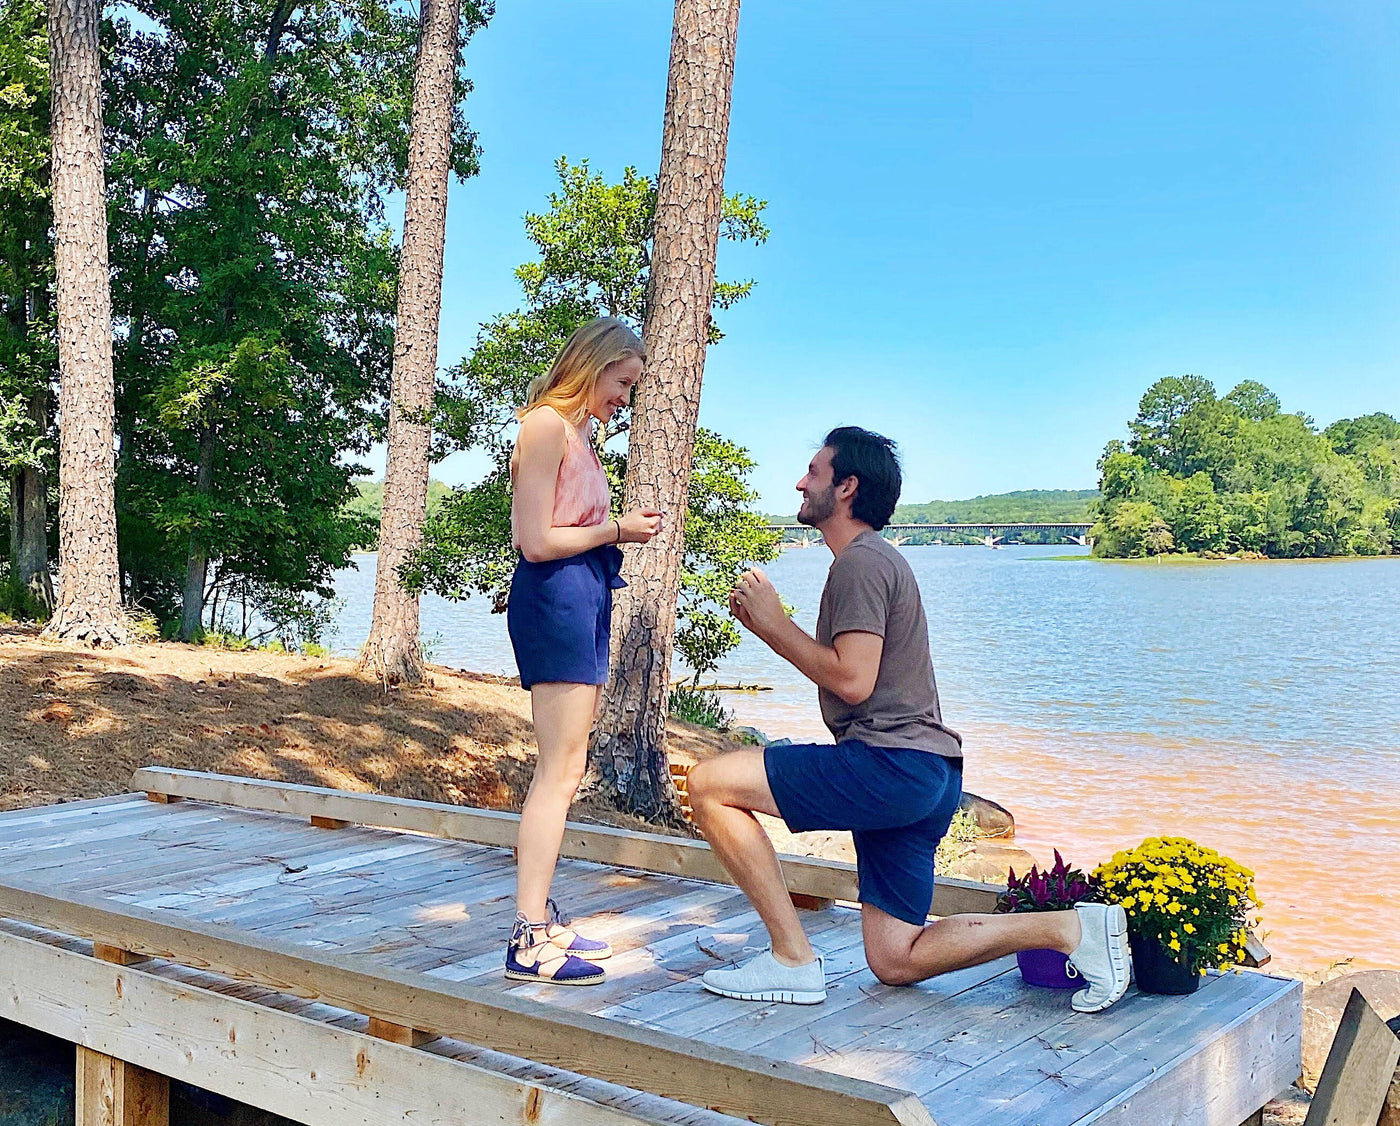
<point>1102,957</point>
<point>766,979</point>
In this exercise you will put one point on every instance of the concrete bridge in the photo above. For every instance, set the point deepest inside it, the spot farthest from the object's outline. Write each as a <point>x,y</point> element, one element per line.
<point>799,535</point>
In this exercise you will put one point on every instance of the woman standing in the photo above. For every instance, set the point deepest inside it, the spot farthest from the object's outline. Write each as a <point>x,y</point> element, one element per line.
<point>560,617</point>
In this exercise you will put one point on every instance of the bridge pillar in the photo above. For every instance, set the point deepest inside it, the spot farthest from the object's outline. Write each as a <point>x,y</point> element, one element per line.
<point>991,540</point>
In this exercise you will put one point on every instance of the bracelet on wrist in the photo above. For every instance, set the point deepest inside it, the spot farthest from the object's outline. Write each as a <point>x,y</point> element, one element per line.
<point>618,522</point>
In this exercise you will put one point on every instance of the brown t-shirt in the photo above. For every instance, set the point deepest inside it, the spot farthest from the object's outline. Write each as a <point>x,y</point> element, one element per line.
<point>870,588</point>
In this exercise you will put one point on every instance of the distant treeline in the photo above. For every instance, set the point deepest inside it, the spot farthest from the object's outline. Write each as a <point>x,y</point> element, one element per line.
<point>1236,474</point>
<point>1025,506</point>
<point>368,503</point>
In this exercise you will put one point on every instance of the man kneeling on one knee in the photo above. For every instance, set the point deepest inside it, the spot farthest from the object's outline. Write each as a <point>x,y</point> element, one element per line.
<point>893,777</point>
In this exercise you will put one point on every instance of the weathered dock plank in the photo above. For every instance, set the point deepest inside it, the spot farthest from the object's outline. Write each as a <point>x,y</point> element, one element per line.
<point>821,879</point>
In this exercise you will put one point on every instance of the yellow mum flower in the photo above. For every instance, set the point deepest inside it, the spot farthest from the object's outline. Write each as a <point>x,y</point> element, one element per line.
<point>1188,928</point>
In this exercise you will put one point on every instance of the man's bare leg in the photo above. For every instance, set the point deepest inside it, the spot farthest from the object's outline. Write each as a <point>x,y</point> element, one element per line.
<point>725,791</point>
<point>901,953</point>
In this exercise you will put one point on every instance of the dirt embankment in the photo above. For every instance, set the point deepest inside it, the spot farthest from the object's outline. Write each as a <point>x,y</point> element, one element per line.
<point>76,723</point>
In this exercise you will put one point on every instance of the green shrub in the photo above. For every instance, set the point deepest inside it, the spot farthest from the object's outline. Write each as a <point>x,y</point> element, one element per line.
<point>219,639</point>
<point>696,705</point>
<point>143,625</point>
<point>19,604</point>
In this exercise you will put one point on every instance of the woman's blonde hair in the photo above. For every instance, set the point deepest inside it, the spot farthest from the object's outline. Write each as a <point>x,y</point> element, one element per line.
<point>570,380</point>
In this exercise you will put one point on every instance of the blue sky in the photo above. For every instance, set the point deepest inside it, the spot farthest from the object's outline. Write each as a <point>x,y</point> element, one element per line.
<point>994,224</point>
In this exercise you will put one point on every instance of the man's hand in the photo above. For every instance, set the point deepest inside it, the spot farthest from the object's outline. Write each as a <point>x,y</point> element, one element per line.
<point>755,602</point>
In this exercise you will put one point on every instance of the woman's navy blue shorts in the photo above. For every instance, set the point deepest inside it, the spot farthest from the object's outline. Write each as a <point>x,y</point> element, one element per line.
<point>560,617</point>
<point>897,804</point>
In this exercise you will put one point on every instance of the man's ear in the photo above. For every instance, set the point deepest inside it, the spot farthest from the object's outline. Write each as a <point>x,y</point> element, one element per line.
<point>848,488</point>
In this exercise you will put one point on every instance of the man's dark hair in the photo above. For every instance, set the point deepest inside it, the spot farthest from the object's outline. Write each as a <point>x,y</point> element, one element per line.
<point>871,459</point>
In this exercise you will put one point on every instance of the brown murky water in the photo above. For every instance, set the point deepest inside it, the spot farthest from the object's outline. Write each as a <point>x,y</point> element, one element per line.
<point>1324,851</point>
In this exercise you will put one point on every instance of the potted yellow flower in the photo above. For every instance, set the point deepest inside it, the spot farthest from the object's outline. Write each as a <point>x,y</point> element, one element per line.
<point>1189,910</point>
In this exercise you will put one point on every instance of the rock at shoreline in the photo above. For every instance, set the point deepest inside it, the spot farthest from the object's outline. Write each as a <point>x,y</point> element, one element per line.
<point>1322,1013</point>
<point>990,861</point>
<point>994,820</point>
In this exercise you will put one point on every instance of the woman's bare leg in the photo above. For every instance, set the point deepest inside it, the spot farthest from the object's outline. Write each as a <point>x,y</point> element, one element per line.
<point>563,719</point>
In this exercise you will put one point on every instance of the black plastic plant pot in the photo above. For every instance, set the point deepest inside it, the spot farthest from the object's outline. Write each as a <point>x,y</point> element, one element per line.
<point>1157,970</point>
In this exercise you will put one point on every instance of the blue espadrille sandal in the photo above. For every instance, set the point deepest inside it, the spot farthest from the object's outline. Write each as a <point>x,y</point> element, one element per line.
<point>569,940</point>
<point>548,963</point>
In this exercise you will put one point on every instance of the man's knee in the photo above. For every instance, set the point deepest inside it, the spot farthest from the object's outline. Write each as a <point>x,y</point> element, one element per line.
<point>890,966</point>
<point>701,788</point>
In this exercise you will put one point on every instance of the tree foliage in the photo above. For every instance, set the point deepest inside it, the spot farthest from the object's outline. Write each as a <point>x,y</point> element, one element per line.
<point>253,146</point>
<point>1236,474</point>
<point>28,357</point>
<point>594,244</point>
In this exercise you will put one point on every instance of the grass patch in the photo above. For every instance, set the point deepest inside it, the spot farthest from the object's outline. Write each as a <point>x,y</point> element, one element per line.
<point>960,839</point>
<point>696,705</point>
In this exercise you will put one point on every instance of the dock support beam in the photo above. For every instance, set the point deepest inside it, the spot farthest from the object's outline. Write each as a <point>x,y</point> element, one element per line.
<point>399,1033</point>
<point>112,1092</point>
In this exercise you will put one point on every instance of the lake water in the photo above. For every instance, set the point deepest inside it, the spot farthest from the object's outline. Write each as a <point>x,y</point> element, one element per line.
<point>1254,707</point>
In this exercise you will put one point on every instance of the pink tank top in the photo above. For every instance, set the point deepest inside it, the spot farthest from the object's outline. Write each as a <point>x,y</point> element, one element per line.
<point>581,496</point>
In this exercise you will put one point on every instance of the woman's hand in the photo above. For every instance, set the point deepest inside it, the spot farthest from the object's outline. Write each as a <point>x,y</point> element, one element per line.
<point>639,525</point>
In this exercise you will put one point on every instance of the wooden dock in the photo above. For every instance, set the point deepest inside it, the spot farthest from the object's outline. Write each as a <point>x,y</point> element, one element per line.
<point>336,958</point>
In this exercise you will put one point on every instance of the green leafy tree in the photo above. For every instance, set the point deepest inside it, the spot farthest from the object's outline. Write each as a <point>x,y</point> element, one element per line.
<point>253,147</point>
<point>1124,532</point>
<point>1158,538</point>
<point>28,357</point>
<point>1238,474</point>
<point>594,250</point>
<point>1254,401</point>
<point>1163,429</point>
<point>1199,515</point>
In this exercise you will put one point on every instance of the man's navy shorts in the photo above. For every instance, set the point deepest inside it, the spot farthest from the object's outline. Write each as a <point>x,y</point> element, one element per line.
<point>897,804</point>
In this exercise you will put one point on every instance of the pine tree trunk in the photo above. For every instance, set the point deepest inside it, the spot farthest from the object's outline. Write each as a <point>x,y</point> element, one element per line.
<point>29,517</point>
<point>29,534</point>
<point>89,602</point>
<point>197,563</point>
<point>392,650</point>
<point>629,752</point>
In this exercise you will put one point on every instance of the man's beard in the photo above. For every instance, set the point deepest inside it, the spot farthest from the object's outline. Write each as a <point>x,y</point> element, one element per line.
<point>817,507</point>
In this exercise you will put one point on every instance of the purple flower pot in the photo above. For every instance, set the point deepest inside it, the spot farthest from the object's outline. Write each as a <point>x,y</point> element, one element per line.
<point>1048,969</point>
